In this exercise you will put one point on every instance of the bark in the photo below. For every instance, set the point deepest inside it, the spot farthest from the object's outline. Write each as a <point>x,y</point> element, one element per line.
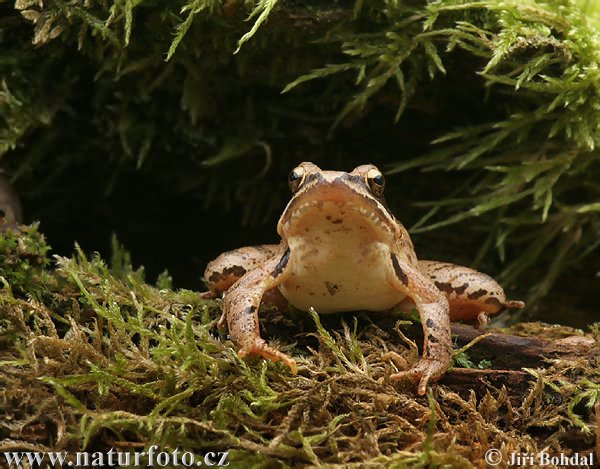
<point>508,354</point>
<point>512,352</point>
<point>463,380</point>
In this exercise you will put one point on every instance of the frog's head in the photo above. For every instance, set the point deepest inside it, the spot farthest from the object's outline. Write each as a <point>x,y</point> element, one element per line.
<point>350,200</point>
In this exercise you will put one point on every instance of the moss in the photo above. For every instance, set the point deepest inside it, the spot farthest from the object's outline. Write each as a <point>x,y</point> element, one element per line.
<point>24,260</point>
<point>121,363</point>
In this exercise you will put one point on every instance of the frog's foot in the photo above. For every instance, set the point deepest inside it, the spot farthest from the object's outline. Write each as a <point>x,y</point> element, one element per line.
<point>483,319</point>
<point>209,295</point>
<point>425,370</point>
<point>398,359</point>
<point>261,348</point>
<point>222,322</point>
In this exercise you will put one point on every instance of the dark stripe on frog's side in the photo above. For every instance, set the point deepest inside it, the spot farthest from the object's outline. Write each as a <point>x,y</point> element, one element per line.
<point>476,294</point>
<point>443,286</point>
<point>282,263</point>
<point>493,301</point>
<point>399,272</point>
<point>449,288</point>
<point>236,270</point>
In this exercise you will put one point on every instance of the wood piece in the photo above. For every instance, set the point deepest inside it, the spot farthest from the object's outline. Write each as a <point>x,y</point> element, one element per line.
<point>463,380</point>
<point>508,354</point>
<point>512,352</point>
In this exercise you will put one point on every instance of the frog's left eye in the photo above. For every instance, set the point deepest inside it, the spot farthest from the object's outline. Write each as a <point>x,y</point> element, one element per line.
<point>296,177</point>
<point>376,181</point>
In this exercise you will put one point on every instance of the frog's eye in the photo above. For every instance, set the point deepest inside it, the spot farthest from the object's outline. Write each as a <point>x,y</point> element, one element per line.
<point>296,177</point>
<point>376,181</point>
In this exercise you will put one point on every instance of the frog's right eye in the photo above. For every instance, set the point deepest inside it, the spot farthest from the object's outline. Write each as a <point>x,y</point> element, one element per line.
<point>376,181</point>
<point>296,177</point>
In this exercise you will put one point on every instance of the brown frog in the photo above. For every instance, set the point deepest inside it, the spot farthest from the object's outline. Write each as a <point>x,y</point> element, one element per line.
<point>342,250</point>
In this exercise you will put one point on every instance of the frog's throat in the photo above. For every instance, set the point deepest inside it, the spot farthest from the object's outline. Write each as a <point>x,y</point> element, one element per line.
<point>380,221</point>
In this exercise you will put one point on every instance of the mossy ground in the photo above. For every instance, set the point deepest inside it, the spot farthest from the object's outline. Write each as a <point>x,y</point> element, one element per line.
<point>93,357</point>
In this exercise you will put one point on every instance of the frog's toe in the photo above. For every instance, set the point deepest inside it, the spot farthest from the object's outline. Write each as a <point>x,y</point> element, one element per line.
<point>398,359</point>
<point>483,320</point>
<point>209,295</point>
<point>513,304</point>
<point>222,321</point>
<point>405,376</point>
<point>261,348</point>
<point>425,370</point>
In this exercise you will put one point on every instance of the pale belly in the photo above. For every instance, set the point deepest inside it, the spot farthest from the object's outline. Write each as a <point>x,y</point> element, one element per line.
<point>335,277</point>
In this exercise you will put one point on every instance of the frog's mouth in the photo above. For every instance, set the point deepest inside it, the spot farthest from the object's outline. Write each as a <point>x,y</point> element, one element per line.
<point>343,202</point>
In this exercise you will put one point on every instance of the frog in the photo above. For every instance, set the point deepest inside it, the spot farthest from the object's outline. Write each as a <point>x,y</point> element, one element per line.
<point>342,249</point>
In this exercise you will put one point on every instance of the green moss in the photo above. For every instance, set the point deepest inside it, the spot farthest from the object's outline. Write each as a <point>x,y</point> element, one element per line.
<point>24,260</point>
<point>104,359</point>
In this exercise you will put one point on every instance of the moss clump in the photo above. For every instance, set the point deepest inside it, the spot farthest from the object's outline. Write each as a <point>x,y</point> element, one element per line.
<point>104,359</point>
<point>24,260</point>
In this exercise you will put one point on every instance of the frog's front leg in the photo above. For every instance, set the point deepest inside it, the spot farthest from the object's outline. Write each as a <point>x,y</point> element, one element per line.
<point>435,318</point>
<point>229,267</point>
<point>472,295</point>
<point>241,303</point>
